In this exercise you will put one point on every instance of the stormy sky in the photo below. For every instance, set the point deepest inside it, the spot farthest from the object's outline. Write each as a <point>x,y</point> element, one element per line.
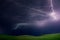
<point>29,17</point>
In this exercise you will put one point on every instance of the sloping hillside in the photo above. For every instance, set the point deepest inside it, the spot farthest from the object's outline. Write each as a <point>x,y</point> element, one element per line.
<point>26,37</point>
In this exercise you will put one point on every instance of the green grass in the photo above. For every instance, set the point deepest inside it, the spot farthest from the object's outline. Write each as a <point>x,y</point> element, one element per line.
<point>26,37</point>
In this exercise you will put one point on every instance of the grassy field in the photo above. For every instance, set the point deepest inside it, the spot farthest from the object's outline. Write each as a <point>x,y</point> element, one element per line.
<point>26,37</point>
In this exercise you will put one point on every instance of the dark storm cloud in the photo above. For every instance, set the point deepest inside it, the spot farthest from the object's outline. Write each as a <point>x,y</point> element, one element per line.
<point>18,11</point>
<point>11,13</point>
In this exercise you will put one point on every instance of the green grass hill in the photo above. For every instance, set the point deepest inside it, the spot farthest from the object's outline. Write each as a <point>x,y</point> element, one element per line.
<point>26,37</point>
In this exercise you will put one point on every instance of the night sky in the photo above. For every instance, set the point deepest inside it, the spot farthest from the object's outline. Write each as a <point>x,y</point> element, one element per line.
<point>29,17</point>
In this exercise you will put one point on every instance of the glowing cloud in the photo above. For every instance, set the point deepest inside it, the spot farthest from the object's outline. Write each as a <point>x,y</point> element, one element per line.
<point>53,16</point>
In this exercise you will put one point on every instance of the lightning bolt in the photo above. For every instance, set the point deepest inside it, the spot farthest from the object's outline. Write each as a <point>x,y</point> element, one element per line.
<point>53,14</point>
<point>52,7</point>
